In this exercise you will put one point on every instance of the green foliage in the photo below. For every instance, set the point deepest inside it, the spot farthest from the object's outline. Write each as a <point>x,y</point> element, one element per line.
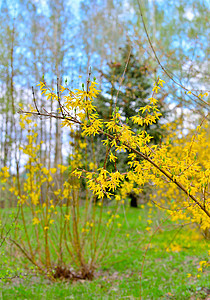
<point>164,277</point>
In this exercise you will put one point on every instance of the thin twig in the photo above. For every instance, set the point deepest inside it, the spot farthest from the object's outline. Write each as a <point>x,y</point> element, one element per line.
<point>10,228</point>
<point>87,90</point>
<point>27,255</point>
<point>122,78</point>
<point>34,99</point>
<point>175,235</point>
<point>160,64</point>
<point>58,94</point>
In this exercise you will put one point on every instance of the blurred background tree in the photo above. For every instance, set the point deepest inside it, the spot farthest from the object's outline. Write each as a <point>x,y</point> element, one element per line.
<point>64,38</point>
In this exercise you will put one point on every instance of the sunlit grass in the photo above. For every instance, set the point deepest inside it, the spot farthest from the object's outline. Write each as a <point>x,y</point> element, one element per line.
<point>170,269</point>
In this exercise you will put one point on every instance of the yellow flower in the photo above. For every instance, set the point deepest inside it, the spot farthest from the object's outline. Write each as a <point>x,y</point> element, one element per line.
<point>160,81</point>
<point>189,275</point>
<point>117,197</point>
<point>45,171</point>
<point>35,221</point>
<point>137,120</point>
<point>62,168</point>
<point>41,84</point>
<point>155,89</point>
<point>53,170</point>
<point>5,171</point>
<point>112,157</point>
<point>92,166</point>
<point>202,263</point>
<point>56,193</point>
<point>175,248</point>
<point>52,221</point>
<point>153,101</point>
<point>62,88</point>
<point>50,178</point>
<point>67,217</point>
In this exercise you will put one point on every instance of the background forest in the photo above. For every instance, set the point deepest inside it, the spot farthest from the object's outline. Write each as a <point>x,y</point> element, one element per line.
<point>54,221</point>
<point>63,39</point>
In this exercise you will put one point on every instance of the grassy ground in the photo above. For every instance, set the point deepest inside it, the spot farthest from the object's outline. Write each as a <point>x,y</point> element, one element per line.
<point>171,269</point>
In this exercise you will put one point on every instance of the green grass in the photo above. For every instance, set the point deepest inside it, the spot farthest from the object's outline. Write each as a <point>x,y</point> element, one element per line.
<point>164,274</point>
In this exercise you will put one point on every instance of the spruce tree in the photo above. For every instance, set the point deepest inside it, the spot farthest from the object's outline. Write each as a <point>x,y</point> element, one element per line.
<point>134,91</point>
<point>132,94</point>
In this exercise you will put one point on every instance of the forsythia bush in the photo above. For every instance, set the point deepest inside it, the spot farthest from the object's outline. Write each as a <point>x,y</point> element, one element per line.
<point>181,167</point>
<point>59,228</point>
<point>190,155</point>
<point>177,169</point>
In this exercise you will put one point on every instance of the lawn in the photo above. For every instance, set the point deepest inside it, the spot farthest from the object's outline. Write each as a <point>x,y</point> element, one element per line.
<point>171,268</point>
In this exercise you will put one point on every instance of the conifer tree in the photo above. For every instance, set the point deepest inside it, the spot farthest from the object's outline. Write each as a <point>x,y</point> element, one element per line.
<point>132,94</point>
<point>127,95</point>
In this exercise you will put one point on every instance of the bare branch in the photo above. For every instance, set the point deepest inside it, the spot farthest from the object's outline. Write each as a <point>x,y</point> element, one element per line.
<point>35,101</point>
<point>160,64</point>
<point>58,94</point>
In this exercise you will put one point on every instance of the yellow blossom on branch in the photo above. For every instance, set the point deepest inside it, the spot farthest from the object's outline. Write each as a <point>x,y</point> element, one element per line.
<point>36,221</point>
<point>155,89</point>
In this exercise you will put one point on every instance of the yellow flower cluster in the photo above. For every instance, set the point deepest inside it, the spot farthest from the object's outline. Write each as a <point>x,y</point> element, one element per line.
<point>183,165</point>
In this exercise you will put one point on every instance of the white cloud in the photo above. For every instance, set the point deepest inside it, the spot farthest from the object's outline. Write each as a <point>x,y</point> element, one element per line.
<point>189,14</point>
